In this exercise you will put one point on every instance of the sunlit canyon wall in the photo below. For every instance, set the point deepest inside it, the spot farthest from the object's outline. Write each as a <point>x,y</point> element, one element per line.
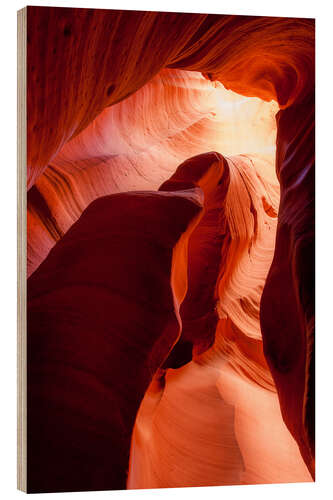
<point>170,249</point>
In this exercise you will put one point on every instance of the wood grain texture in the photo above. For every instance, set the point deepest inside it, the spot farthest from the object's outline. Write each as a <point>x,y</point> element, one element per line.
<point>21,250</point>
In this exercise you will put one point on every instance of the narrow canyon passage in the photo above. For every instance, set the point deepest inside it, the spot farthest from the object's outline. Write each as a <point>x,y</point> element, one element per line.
<point>170,219</point>
<point>138,144</point>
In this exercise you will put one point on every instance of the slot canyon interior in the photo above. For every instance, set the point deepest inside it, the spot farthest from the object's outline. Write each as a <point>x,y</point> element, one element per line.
<point>170,249</point>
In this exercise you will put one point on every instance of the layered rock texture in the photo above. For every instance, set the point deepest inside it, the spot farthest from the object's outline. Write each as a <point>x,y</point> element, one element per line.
<point>170,249</point>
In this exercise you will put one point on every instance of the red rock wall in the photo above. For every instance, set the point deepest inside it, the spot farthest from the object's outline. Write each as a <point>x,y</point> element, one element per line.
<point>88,366</point>
<point>138,143</point>
<point>287,308</point>
<point>115,104</point>
<point>279,53</point>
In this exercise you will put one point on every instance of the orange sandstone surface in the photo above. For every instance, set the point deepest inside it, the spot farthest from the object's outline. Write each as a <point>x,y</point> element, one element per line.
<point>170,212</point>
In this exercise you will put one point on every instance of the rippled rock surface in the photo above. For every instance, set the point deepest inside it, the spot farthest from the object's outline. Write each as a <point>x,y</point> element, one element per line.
<point>170,249</point>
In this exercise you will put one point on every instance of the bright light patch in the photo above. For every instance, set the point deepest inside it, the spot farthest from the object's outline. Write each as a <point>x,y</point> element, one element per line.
<point>243,125</point>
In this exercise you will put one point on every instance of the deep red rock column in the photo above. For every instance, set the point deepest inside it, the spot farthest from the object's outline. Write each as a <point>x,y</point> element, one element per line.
<point>101,320</point>
<point>199,317</point>
<point>287,306</point>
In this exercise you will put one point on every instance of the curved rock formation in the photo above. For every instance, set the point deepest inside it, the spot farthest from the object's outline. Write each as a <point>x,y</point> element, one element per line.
<point>133,146</point>
<point>197,311</point>
<point>219,428</point>
<point>220,415</point>
<point>279,53</point>
<point>88,368</point>
<point>226,287</point>
<point>287,308</point>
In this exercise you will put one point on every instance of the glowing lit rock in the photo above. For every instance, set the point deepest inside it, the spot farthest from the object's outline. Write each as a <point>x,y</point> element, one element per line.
<point>70,82</point>
<point>104,116</point>
<point>219,416</point>
<point>133,145</point>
